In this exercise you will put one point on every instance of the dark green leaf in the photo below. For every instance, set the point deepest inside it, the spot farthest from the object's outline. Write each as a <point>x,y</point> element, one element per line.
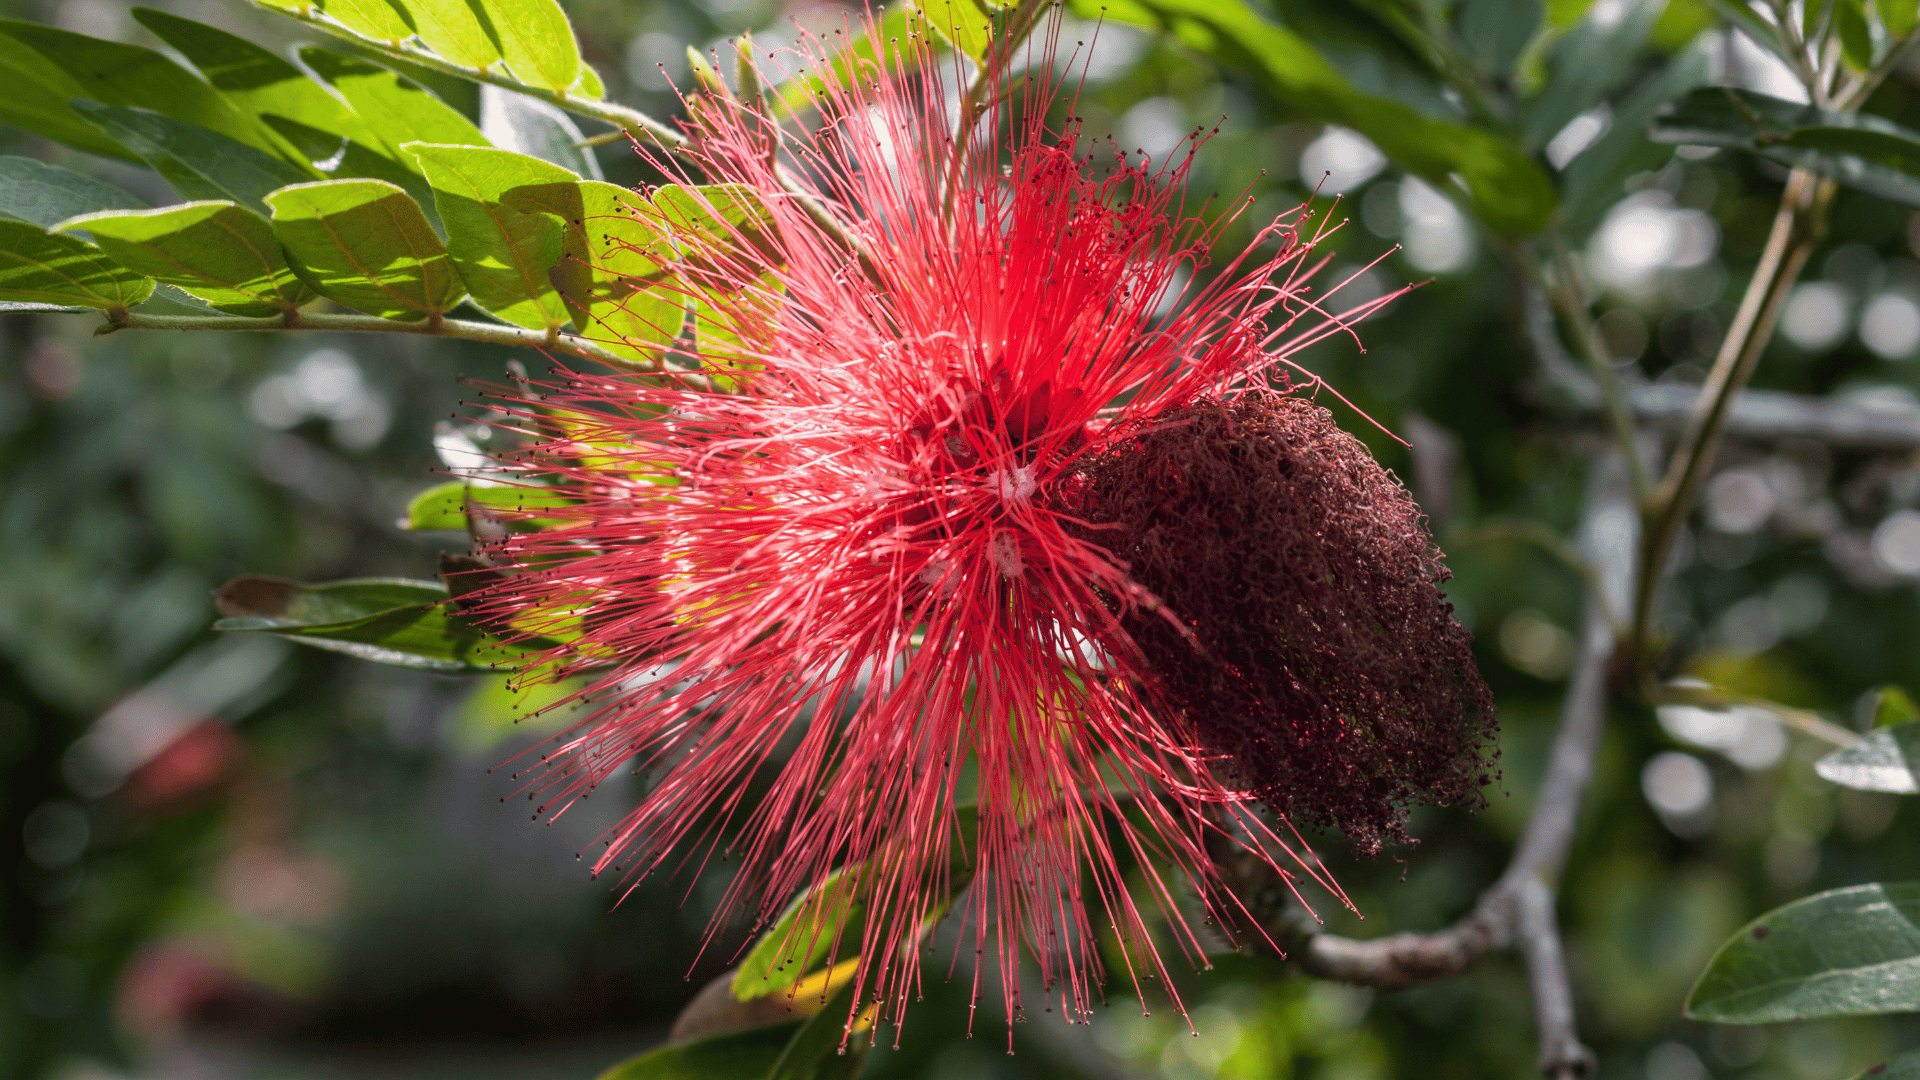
<point>1904,1067</point>
<point>1591,182</point>
<point>1862,151</point>
<point>200,164</point>
<point>1593,59</point>
<point>365,244</point>
<point>386,620</point>
<point>216,251</point>
<point>1496,32</point>
<point>1849,952</point>
<point>37,96</point>
<point>309,120</point>
<point>537,41</point>
<point>743,1054</point>
<point>1510,192</point>
<point>446,506</point>
<point>38,267</point>
<point>819,1050</point>
<point>1887,760</point>
<point>47,194</point>
<point>116,74</point>
<point>458,30</point>
<point>503,254</point>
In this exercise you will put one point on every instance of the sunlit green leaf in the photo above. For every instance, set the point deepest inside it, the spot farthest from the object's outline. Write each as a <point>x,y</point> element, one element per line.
<point>393,107</point>
<point>365,244</point>
<point>200,164</point>
<point>376,19</point>
<point>1900,16</point>
<point>503,254</point>
<point>38,267</point>
<point>458,30</point>
<point>1848,952</point>
<point>537,41</point>
<point>611,273</point>
<point>1887,760</point>
<point>216,251</point>
<point>960,23</point>
<point>314,124</point>
<point>446,506</point>
<point>46,194</point>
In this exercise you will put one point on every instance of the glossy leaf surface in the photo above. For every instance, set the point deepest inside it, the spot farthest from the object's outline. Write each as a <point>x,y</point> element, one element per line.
<point>1848,952</point>
<point>47,194</point>
<point>1887,760</point>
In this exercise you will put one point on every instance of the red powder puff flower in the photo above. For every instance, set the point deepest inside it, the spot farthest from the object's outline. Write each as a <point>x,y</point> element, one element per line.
<point>849,571</point>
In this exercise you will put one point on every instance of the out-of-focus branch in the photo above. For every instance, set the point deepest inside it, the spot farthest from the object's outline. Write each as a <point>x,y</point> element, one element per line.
<point>1519,909</point>
<point>1797,228</point>
<point>1760,415</point>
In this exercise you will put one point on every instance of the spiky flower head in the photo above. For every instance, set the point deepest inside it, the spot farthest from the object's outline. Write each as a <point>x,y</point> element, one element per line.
<point>836,553</point>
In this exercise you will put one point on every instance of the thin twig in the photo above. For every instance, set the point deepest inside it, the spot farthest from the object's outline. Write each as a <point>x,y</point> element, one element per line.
<point>1570,301</point>
<point>493,333</point>
<point>1797,228</point>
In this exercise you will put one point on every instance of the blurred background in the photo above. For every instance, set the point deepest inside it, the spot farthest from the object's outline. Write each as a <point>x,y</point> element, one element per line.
<point>229,858</point>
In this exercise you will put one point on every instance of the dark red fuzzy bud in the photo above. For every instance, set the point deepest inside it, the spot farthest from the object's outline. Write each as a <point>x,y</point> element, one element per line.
<point>1324,660</point>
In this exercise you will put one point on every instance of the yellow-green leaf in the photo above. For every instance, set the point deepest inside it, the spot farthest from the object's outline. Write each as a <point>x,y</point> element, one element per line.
<point>39,267</point>
<point>365,244</point>
<point>537,42</point>
<point>216,251</point>
<point>503,254</point>
<point>376,19</point>
<point>458,30</point>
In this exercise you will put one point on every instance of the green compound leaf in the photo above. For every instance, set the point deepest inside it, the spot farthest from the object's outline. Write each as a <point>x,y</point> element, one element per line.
<point>41,268</point>
<point>502,253</point>
<point>459,30</point>
<point>314,125</point>
<point>537,42</point>
<point>216,251</point>
<point>1887,760</point>
<point>1860,151</point>
<point>611,273</point>
<point>116,74</point>
<point>376,19</point>
<point>738,1056</point>
<point>963,24</point>
<point>48,194</point>
<point>447,506</point>
<point>1511,193</point>
<point>393,107</point>
<point>1848,952</point>
<point>365,244</point>
<point>393,621</point>
<point>200,164</point>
